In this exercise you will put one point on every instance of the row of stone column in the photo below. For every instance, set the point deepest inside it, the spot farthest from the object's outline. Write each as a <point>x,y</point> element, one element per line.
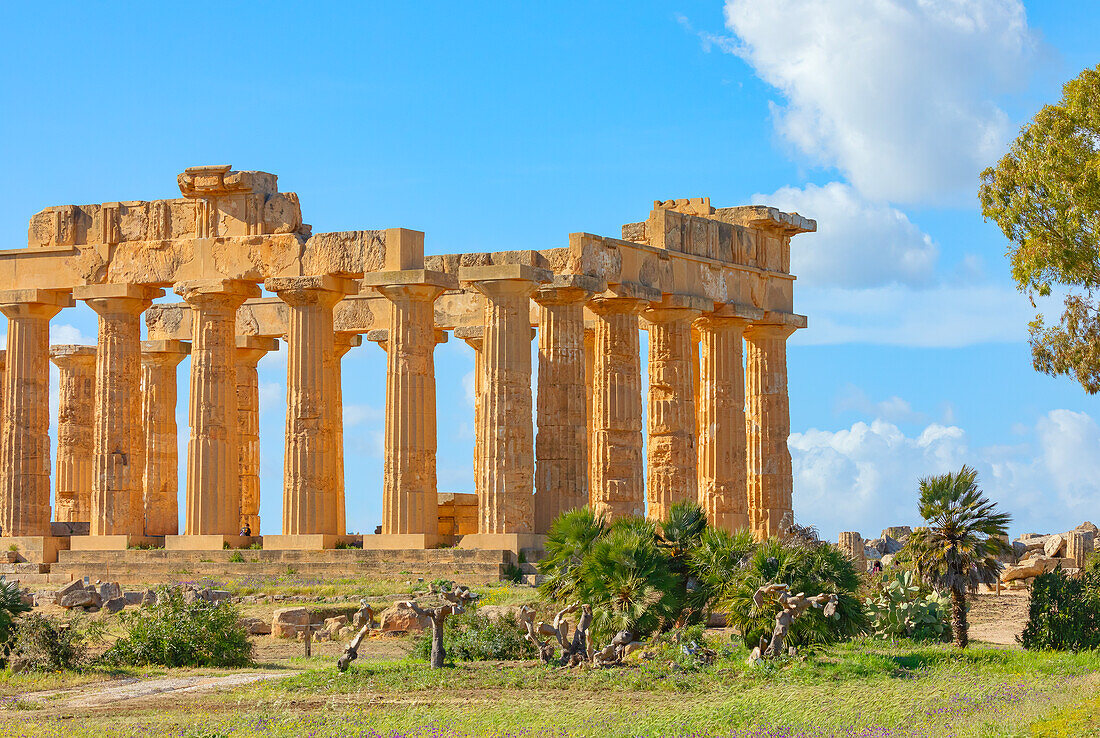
<point>588,446</point>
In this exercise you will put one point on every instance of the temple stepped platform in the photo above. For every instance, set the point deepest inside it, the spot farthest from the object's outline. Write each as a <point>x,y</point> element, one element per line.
<point>472,566</point>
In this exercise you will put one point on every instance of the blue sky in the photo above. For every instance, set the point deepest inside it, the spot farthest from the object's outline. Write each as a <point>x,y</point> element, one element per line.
<point>514,126</point>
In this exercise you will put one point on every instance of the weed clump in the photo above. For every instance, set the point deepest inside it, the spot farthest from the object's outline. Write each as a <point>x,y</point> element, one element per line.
<point>175,633</point>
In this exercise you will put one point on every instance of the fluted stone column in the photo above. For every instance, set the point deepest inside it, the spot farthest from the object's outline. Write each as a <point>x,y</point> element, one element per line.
<point>75,432</point>
<point>118,505</point>
<point>722,469</point>
<point>310,505</point>
<point>670,449</point>
<point>561,445</point>
<point>617,486</point>
<point>159,360</point>
<point>343,342</point>
<point>250,349</point>
<point>770,479</point>
<point>25,445</point>
<point>589,383</point>
<point>851,543</point>
<point>1079,544</point>
<point>3,374</point>
<point>506,459</point>
<point>409,494</point>
<point>213,454</point>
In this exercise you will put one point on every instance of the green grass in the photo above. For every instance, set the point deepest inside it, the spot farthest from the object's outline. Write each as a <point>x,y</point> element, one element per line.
<point>897,690</point>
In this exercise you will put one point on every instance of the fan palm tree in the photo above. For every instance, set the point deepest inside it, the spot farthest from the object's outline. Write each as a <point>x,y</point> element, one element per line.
<point>567,543</point>
<point>958,547</point>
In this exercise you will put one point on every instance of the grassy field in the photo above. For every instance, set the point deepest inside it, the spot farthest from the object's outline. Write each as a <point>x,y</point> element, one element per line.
<point>864,688</point>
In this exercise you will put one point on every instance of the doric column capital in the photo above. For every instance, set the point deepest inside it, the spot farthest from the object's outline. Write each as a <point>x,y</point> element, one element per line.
<point>391,283</point>
<point>117,298</point>
<point>250,349</point>
<point>34,303</point>
<point>164,352</point>
<point>343,342</point>
<point>311,290</point>
<point>71,356</point>
<point>227,293</point>
<point>769,330</point>
<point>625,298</point>
<point>566,289</point>
<point>505,280</point>
<point>672,308</point>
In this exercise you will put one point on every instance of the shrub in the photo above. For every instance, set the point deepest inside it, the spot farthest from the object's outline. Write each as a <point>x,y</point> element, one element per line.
<point>904,609</point>
<point>1064,614</point>
<point>716,565</point>
<point>818,568</point>
<point>570,537</point>
<point>45,644</point>
<point>175,633</point>
<point>11,606</point>
<point>474,637</point>
<point>236,557</point>
<point>630,583</point>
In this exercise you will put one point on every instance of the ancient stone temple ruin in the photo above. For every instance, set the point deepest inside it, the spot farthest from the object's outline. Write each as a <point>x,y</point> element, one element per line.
<point>710,285</point>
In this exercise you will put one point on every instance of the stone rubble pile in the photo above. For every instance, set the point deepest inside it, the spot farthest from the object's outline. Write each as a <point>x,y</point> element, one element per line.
<point>1032,553</point>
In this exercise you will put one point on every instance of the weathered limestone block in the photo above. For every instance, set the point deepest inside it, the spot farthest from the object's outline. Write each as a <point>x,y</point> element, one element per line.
<point>310,497</point>
<point>770,478</point>
<point>851,543</point>
<point>506,434</point>
<point>1055,545</point>
<point>213,456</point>
<point>25,441</point>
<point>159,360</point>
<point>672,459</point>
<point>250,349</point>
<point>1029,568</point>
<point>1079,544</point>
<point>288,622</point>
<point>723,490</point>
<point>617,483</point>
<point>401,619</point>
<point>75,431</point>
<point>561,445</point>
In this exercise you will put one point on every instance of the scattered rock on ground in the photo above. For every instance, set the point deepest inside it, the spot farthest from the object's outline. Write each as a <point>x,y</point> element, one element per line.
<point>399,618</point>
<point>289,621</point>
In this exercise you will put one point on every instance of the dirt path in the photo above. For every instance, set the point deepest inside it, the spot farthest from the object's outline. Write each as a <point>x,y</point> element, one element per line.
<point>121,690</point>
<point>998,618</point>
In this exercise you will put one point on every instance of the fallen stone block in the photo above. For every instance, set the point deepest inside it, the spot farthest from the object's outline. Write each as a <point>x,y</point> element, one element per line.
<point>115,604</point>
<point>289,621</point>
<point>256,626</point>
<point>401,619</point>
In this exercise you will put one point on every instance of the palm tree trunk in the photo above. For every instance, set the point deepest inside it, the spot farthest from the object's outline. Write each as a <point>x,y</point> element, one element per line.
<point>958,618</point>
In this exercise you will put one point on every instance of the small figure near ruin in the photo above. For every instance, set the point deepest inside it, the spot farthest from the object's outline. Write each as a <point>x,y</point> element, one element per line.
<point>791,608</point>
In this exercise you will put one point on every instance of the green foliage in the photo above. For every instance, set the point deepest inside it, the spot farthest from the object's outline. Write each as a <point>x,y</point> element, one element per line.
<point>1064,613</point>
<point>11,606</point>
<point>175,633</point>
<point>958,548</point>
<point>629,581</point>
<point>810,568</point>
<point>512,573</point>
<point>567,543</point>
<point>474,637</point>
<point>904,609</point>
<point>1045,196</point>
<point>44,644</point>
<point>236,557</point>
<point>716,565</point>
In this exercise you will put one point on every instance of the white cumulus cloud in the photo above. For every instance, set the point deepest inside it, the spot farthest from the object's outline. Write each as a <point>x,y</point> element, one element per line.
<point>902,96</point>
<point>865,477</point>
<point>858,243</point>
